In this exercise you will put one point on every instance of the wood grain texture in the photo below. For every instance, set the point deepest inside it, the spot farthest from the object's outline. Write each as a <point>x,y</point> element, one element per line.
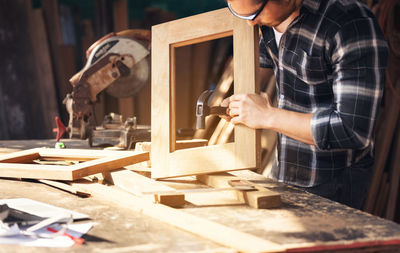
<point>246,66</point>
<point>166,161</point>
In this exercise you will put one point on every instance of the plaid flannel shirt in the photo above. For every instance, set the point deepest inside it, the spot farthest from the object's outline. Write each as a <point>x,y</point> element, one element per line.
<point>330,62</point>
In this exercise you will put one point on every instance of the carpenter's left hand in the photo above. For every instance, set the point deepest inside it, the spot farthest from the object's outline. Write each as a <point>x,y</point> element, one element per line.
<point>252,110</point>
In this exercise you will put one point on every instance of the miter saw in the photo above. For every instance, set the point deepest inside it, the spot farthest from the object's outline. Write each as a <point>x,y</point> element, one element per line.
<point>118,63</point>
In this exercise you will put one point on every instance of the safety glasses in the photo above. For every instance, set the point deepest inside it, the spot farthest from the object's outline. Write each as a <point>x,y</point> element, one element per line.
<point>248,17</point>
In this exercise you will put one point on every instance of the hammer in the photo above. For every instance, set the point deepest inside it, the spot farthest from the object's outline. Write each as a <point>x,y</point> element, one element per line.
<point>203,109</point>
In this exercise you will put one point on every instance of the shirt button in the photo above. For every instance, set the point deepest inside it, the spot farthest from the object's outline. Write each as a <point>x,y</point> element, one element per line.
<point>282,96</point>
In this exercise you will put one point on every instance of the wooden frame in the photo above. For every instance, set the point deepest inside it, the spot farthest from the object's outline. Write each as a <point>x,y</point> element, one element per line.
<point>244,152</point>
<point>20,165</point>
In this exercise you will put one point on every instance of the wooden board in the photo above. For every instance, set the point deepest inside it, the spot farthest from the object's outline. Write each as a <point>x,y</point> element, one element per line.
<point>20,165</point>
<point>245,151</point>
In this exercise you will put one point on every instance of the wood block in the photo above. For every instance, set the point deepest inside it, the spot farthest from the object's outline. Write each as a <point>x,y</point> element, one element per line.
<point>260,198</point>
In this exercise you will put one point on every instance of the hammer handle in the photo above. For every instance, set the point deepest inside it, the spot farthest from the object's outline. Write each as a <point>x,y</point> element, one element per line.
<point>218,110</point>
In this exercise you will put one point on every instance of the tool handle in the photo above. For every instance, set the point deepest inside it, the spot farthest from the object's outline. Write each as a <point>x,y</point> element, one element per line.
<point>218,110</point>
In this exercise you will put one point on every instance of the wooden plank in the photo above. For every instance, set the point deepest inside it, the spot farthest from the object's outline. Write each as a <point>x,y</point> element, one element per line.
<point>44,69</point>
<point>21,106</point>
<point>61,59</point>
<point>107,164</point>
<point>196,161</point>
<point>137,184</point>
<point>226,133</point>
<point>126,106</point>
<point>217,131</point>
<point>35,171</point>
<point>180,144</point>
<point>221,234</point>
<point>165,38</point>
<point>261,198</point>
<point>204,27</point>
<point>23,156</point>
<point>160,111</point>
<point>246,67</point>
<point>77,154</point>
<point>184,144</point>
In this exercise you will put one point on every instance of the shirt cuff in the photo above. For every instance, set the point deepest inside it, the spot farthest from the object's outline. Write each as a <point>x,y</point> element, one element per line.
<point>320,123</point>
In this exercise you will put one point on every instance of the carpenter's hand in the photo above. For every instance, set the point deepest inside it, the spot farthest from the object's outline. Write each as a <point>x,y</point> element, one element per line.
<point>252,110</point>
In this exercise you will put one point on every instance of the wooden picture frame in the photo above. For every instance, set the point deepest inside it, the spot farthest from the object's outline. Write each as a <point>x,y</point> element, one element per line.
<point>244,152</point>
<point>20,164</point>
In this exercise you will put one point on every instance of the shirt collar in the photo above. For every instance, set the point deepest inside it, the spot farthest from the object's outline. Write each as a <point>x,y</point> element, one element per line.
<point>310,5</point>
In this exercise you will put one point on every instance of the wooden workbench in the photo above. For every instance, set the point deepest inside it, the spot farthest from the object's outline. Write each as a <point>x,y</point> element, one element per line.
<point>303,221</point>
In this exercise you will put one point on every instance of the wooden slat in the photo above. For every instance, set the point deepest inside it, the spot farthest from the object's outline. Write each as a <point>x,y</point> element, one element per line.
<point>35,171</point>
<point>246,67</point>
<point>204,27</point>
<point>196,161</point>
<point>107,164</point>
<point>24,156</point>
<point>121,22</point>
<point>87,154</point>
<point>160,112</point>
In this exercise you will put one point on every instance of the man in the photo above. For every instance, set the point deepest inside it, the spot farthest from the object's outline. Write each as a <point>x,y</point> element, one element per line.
<point>329,59</point>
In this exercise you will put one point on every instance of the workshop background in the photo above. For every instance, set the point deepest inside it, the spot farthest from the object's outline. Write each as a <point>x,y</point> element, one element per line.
<point>43,44</point>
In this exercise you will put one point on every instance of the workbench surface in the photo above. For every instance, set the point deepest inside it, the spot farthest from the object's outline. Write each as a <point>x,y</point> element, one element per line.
<point>303,220</point>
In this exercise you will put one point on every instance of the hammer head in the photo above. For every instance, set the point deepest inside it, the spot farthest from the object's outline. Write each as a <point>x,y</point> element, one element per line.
<point>202,109</point>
